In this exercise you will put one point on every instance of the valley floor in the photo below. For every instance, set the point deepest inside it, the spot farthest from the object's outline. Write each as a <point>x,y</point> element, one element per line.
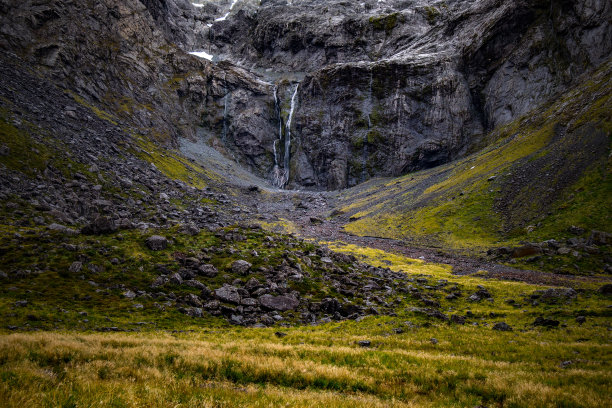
<point>321,366</point>
<point>409,358</point>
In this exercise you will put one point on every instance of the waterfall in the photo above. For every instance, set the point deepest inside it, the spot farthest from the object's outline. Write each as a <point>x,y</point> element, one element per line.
<point>278,175</point>
<point>277,109</point>
<point>288,133</point>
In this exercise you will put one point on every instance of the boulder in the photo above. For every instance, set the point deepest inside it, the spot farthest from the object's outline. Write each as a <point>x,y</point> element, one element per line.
<point>249,302</point>
<point>228,294</point>
<point>75,267</point>
<point>241,267</point>
<point>176,279</point>
<point>208,270</point>
<point>128,294</point>
<point>600,238</point>
<point>100,225</point>
<point>157,242</point>
<point>502,326</point>
<point>555,295</point>
<point>280,303</point>
<point>193,300</point>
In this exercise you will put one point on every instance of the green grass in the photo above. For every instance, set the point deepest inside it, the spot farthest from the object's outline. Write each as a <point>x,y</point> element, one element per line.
<point>321,366</point>
<point>25,155</point>
<point>540,175</point>
<point>175,359</point>
<point>175,166</point>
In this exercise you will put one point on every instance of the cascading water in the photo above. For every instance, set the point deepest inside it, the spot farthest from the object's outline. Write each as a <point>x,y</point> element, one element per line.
<point>278,175</point>
<point>288,133</point>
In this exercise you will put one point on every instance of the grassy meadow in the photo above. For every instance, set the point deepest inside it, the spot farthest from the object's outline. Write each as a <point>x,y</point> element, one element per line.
<point>412,360</point>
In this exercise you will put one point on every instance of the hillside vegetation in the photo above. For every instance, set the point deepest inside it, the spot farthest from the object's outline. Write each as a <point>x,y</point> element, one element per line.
<point>541,175</point>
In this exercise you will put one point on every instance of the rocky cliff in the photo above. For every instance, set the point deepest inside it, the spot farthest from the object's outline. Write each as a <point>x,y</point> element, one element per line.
<point>395,86</point>
<point>385,88</point>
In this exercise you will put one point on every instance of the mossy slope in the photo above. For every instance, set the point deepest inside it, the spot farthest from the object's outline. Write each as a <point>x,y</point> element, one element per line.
<point>540,175</point>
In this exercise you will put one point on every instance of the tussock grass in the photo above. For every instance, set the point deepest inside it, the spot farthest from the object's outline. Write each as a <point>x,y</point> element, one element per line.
<point>320,366</point>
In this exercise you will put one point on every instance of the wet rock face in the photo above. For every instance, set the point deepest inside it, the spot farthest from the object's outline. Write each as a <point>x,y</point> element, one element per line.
<point>405,85</point>
<point>385,87</point>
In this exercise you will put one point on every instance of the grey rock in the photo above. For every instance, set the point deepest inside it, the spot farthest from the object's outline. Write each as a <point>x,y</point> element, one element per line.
<point>228,294</point>
<point>194,284</point>
<point>241,267</point>
<point>176,279</point>
<point>208,270</point>
<point>128,294</point>
<point>280,303</point>
<point>100,225</point>
<point>555,295</point>
<point>192,311</point>
<point>252,285</point>
<point>237,319</point>
<point>160,281</point>
<point>75,267</point>
<point>364,343</point>
<point>249,302</point>
<point>193,300</point>
<point>212,305</point>
<point>600,238</point>
<point>502,326</point>
<point>157,243</point>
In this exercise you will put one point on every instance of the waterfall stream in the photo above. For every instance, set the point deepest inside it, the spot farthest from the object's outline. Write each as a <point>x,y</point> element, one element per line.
<point>280,172</point>
<point>288,133</point>
<point>277,173</point>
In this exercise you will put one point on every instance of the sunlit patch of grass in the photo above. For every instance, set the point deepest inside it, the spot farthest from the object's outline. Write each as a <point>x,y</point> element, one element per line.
<point>25,155</point>
<point>102,114</point>
<point>282,226</point>
<point>486,199</point>
<point>174,165</point>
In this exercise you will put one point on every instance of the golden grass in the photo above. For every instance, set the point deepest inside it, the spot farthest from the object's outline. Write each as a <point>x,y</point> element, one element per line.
<point>234,367</point>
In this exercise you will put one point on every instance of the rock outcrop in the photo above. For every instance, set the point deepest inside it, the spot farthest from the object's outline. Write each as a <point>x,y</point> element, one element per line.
<point>385,87</point>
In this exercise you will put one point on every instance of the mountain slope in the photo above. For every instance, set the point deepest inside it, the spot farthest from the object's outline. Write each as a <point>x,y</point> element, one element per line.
<point>542,174</point>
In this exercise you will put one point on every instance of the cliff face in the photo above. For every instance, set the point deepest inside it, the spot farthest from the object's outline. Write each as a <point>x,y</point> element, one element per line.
<point>416,84</point>
<point>384,87</point>
<point>120,55</point>
<point>395,86</point>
